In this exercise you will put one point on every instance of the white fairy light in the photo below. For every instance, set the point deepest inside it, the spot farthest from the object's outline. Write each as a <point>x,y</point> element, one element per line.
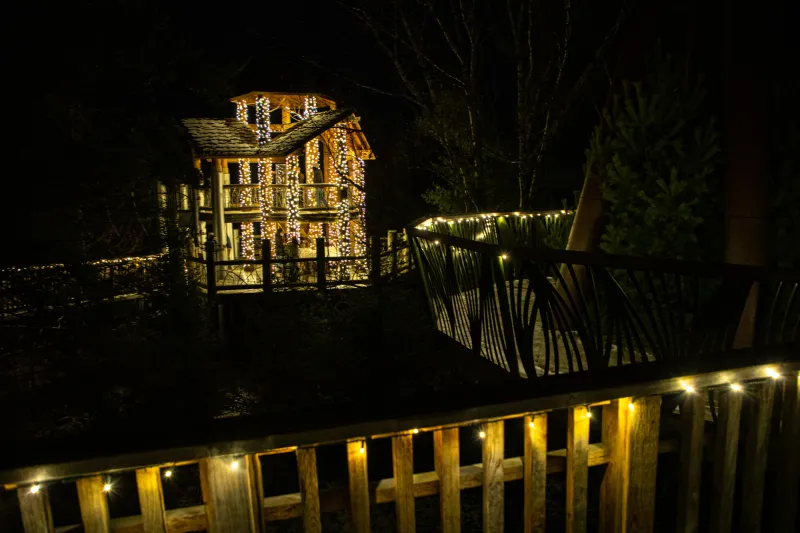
<point>263,133</point>
<point>293,198</point>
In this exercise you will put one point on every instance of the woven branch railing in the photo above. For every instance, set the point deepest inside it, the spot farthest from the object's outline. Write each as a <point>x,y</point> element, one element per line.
<point>495,286</point>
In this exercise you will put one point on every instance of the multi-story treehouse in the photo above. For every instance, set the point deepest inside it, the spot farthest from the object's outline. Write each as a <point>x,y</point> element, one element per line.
<point>288,168</point>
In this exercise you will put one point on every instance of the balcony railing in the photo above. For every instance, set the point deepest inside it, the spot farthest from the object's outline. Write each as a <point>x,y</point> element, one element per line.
<point>318,196</point>
<point>494,286</point>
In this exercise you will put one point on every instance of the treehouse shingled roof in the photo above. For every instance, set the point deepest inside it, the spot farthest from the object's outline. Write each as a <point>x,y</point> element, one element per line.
<point>231,138</point>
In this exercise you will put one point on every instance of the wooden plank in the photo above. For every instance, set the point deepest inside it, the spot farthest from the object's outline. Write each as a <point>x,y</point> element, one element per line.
<point>758,419</point>
<point>644,422</point>
<point>577,468</point>
<point>693,412</point>
<point>151,500</point>
<point>359,485</point>
<point>726,448</point>
<point>613,491</point>
<point>446,461</point>
<point>309,489</point>
<point>94,504</point>
<point>535,472</point>
<point>403,468</point>
<point>789,471</point>
<point>34,506</point>
<point>493,482</point>
<point>231,503</point>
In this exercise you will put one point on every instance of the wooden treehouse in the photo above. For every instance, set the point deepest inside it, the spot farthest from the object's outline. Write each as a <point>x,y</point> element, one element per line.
<point>288,168</point>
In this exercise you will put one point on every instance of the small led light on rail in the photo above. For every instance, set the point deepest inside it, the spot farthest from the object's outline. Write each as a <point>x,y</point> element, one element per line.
<point>168,473</point>
<point>415,431</point>
<point>771,372</point>
<point>504,256</point>
<point>530,425</point>
<point>235,465</point>
<point>688,388</point>
<point>735,387</point>
<point>107,487</point>
<point>630,406</point>
<point>35,488</point>
<point>362,449</point>
<point>481,434</point>
<point>588,413</point>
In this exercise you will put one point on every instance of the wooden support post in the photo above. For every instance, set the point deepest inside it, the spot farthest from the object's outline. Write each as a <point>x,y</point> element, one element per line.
<point>535,472</point>
<point>321,264</point>
<point>211,270</point>
<point>788,460</point>
<point>758,417</point>
<point>644,423</point>
<point>403,467</point>
<point>309,489</point>
<point>693,414</point>
<point>393,247</point>
<point>726,447</point>
<point>359,485</point>
<point>613,491</point>
<point>231,500</point>
<point>375,260</point>
<point>35,510</point>
<point>493,483</point>
<point>94,505</point>
<point>446,462</point>
<point>151,500</point>
<point>266,265</point>
<point>577,468</point>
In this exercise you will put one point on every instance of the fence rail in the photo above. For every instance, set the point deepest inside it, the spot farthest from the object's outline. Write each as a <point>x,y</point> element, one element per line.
<point>495,286</point>
<point>638,423</point>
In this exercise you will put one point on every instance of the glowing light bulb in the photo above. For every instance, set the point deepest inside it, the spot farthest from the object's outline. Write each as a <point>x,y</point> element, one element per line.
<point>168,473</point>
<point>771,372</point>
<point>361,450</point>
<point>735,387</point>
<point>505,256</point>
<point>235,465</point>
<point>530,425</point>
<point>107,487</point>
<point>688,388</point>
<point>630,407</point>
<point>589,414</point>
<point>415,431</point>
<point>35,488</point>
<point>435,242</point>
<point>482,435</point>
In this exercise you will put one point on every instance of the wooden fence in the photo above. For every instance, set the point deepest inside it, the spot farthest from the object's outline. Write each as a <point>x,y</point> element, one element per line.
<point>271,274</point>
<point>757,406</point>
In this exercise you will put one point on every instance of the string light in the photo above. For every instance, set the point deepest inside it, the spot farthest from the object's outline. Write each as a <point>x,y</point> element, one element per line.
<point>265,196</point>
<point>481,434</point>
<point>168,473</point>
<point>362,449</point>
<point>630,406</point>
<point>293,198</point>
<point>359,239</point>
<point>504,256</point>
<point>735,387</point>
<point>241,111</point>
<point>309,106</point>
<point>263,133</point>
<point>245,198</point>
<point>415,431</point>
<point>234,465</point>
<point>107,487</point>
<point>588,413</point>
<point>35,488</point>
<point>688,388</point>
<point>530,425</point>
<point>312,162</point>
<point>771,372</point>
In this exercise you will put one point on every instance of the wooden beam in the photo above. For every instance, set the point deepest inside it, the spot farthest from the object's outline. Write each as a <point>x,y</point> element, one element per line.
<point>231,502</point>
<point>693,413</point>
<point>613,491</point>
<point>789,471</point>
<point>446,462</point>
<point>577,468</point>
<point>758,419</point>
<point>493,482</point>
<point>151,499</point>
<point>94,505</point>
<point>309,489</point>
<point>726,447</point>
<point>403,468</point>
<point>35,510</point>
<point>535,472</point>
<point>359,485</point>
<point>643,421</point>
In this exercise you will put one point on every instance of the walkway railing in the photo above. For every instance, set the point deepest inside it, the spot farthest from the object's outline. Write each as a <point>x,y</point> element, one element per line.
<point>638,425</point>
<point>496,287</point>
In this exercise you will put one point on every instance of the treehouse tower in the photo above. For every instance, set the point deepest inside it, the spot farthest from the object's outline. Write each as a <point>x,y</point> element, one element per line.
<point>288,168</point>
